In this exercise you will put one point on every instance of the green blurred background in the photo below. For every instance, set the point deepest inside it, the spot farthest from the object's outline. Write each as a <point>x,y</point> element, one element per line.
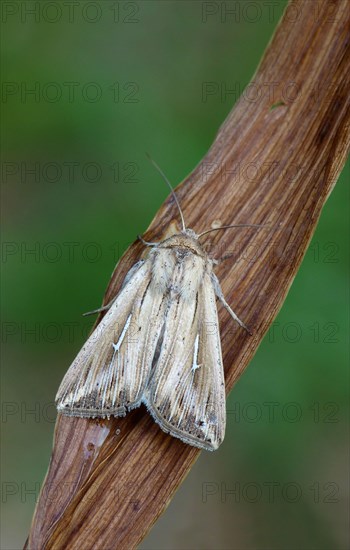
<point>112,80</point>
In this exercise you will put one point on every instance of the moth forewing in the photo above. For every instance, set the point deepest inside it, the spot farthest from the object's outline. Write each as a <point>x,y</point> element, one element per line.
<point>110,372</point>
<point>186,393</point>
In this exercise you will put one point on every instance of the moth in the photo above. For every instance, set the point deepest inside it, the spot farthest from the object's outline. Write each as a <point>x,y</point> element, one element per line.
<point>158,344</point>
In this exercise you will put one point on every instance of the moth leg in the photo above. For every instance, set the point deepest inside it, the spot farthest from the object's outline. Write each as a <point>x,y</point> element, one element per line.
<point>103,308</point>
<point>222,259</point>
<point>219,294</point>
<point>146,243</point>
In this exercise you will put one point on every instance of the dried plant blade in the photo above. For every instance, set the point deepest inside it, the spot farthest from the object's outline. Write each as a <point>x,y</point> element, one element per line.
<point>108,481</point>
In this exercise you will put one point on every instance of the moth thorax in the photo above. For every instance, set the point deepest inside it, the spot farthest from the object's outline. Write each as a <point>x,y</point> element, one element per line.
<point>178,270</point>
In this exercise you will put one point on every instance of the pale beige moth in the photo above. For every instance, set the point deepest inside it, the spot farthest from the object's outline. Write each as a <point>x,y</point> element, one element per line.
<point>158,344</point>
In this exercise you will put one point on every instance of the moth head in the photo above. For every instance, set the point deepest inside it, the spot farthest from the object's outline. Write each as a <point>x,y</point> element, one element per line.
<point>190,233</point>
<point>185,241</point>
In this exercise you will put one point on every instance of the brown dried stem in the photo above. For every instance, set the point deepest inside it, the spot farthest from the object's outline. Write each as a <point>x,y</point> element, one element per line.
<point>109,480</point>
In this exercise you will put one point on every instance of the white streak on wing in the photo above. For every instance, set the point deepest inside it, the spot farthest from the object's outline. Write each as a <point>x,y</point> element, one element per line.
<point>122,336</point>
<point>194,367</point>
<point>195,354</point>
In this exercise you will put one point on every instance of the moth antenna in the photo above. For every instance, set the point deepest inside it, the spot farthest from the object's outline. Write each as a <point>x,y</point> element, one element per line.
<point>171,189</point>
<point>234,225</point>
